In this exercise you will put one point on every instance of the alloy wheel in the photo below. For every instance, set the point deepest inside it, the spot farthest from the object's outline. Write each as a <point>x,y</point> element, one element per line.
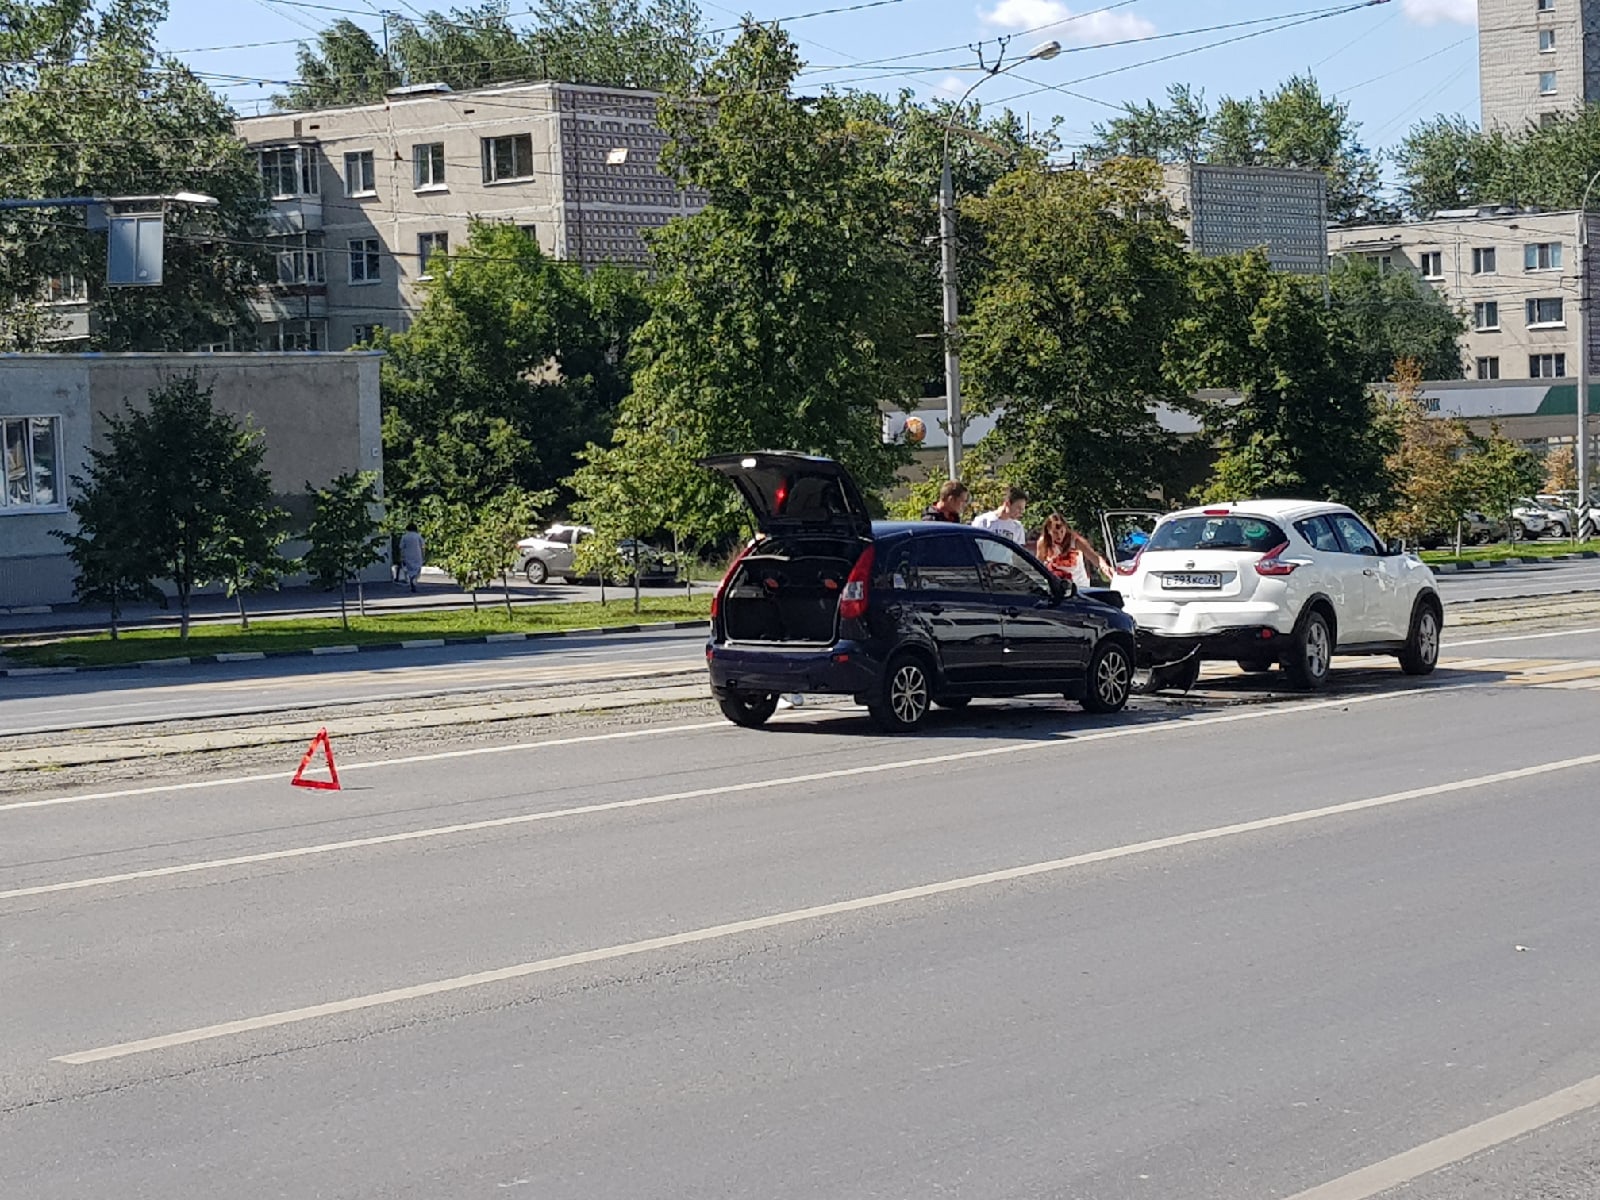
<point>908,694</point>
<point>1112,679</point>
<point>1318,653</point>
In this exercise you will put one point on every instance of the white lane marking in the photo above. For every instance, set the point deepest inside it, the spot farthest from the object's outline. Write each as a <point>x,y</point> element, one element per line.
<point>1454,1147</point>
<point>585,810</point>
<point>1522,637</point>
<point>816,912</point>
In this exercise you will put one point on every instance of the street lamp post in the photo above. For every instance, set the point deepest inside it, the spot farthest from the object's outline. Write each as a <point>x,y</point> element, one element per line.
<point>947,257</point>
<point>1581,455</point>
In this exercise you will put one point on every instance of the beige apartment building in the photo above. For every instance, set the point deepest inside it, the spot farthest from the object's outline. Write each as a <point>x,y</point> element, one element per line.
<point>1537,59</point>
<point>1514,275</point>
<point>1231,210</point>
<point>364,196</point>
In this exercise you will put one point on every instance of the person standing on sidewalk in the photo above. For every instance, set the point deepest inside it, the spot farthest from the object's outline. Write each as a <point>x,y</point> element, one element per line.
<point>1007,519</point>
<point>951,504</point>
<point>412,551</point>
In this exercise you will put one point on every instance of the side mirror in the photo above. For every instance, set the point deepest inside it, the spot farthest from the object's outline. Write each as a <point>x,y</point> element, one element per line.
<point>1061,589</point>
<point>1396,547</point>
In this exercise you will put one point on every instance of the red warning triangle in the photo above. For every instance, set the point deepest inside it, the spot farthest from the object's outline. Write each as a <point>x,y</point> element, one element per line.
<point>326,785</point>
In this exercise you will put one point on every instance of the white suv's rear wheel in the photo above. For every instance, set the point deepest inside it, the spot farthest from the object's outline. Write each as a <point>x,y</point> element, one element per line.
<point>1421,653</point>
<point>1309,659</point>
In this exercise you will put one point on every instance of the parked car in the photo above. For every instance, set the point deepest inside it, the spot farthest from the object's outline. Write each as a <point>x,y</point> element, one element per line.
<point>550,553</point>
<point>1529,520</point>
<point>900,615</point>
<point>1279,583</point>
<point>1560,521</point>
<point>1476,529</point>
<point>655,568</point>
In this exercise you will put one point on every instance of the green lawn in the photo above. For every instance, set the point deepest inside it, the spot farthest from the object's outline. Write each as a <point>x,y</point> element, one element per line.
<point>1504,550</point>
<point>275,635</point>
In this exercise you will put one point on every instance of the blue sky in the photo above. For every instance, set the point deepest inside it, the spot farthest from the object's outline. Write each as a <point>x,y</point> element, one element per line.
<point>1395,61</point>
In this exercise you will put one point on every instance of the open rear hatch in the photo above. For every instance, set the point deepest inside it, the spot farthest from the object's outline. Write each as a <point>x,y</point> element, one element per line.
<point>815,530</point>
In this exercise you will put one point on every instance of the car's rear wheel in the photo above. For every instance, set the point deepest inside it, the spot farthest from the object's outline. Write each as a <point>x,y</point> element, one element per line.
<point>1558,531</point>
<point>1310,658</point>
<point>537,571</point>
<point>902,698</point>
<point>1110,679</point>
<point>750,709</point>
<point>1421,653</point>
<point>1256,666</point>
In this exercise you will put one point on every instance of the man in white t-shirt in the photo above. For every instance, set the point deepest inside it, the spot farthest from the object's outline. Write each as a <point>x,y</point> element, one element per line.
<point>1007,519</point>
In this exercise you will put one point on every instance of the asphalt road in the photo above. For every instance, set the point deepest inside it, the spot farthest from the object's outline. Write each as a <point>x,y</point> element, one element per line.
<point>1216,951</point>
<point>1504,582</point>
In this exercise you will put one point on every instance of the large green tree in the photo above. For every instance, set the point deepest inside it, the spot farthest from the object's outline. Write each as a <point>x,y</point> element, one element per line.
<point>1446,163</point>
<point>89,107</point>
<point>1295,125</point>
<point>1305,425</point>
<point>1395,316</point>
<point>654,44</point>
<point>786,312</point>
<point>1067,333</point>
<point>514,363</point>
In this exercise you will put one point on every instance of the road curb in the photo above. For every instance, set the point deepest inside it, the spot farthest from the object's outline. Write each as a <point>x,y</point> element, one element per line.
<point>482,639</point>
<point>1519,561</point>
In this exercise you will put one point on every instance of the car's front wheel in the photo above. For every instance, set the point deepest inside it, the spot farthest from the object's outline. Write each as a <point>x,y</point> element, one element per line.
<point>537,571</point>
<point>1310,658</point>
<point>1558,531</point>
<point>903,696</point>
<point>752,710</point>
<point>1421,653</point>
<point>1110,679</point>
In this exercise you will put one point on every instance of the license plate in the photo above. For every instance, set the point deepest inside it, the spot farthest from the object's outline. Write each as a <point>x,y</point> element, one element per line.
<point>1209,579</point>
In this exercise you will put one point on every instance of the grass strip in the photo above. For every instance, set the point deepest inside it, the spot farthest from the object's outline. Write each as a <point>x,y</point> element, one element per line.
<point>278,636</point>
<point>1504,550</point>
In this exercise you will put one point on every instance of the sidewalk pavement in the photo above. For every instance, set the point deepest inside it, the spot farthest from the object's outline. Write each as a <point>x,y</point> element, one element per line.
<point>435,590</point>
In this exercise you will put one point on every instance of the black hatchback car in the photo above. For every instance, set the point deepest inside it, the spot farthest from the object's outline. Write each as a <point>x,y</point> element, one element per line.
<point>900,615</point>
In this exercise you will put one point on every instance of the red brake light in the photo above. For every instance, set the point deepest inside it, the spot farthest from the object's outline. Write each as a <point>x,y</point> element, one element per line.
<point>1215,512</point>
<point>716,596</point>
<point>853,600</point>
<point>1270,564</point>
<point>780,497</point>
<point>1130,566</point>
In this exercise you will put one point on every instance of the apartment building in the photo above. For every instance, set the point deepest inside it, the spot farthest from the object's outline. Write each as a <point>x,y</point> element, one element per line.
<point>1537,59</point>
<point>1230,210</point>
<point>363,197</point>
<point>1513,274</point>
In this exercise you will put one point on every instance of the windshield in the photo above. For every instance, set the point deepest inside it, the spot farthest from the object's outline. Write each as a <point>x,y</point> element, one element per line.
<point>1231,532</point>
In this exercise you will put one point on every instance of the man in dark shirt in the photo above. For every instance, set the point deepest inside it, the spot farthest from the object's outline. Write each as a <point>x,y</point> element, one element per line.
<point>951,504</point>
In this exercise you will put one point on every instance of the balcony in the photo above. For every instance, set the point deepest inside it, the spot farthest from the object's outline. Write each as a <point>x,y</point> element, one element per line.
<point>290,216</point>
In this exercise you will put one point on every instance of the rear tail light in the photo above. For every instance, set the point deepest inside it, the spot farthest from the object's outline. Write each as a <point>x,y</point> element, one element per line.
<point>1272,564</point>
<point>1129,567</point>
<point>853,600</point>
<point>716,596</point>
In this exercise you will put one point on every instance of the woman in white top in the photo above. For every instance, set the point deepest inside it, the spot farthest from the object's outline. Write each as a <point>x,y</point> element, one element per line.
<point>1067,553</point>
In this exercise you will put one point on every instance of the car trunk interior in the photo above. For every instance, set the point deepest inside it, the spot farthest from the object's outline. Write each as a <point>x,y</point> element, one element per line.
<point>787,590</point>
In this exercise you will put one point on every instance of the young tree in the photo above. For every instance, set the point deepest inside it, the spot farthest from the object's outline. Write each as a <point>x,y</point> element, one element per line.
<point>786,312</point>
<point>1306,426</point>
<point>622,501</point>
<point>1395,317</point>
<point>503,522</point>
<point>1561,471</point>
<point>343,66</point>
<point>108,548</point>
<point>346,535</point>
<point>1431,487</point>
<point>194,485</point>
<point>1065,345</point>
<point>1500,472</point>
<point>249,549</point>
<point>89,106</point>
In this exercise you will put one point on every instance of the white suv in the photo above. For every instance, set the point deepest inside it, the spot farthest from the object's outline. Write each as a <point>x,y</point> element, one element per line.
<point>1277,582</point>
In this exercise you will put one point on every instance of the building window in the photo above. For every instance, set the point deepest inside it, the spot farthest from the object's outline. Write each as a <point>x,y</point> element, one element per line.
<point>1545,311</point>
<point>1547,41</point>
<point>1384,262</point>
<point>1542,256</point>
<point>1547,366</point>
<point>66,288</point>
<point>1432,264</point>
<point>1488,368</point>
<point>1486,315</point>
<point>300,266</point>
<point>32,449</point>
<point>531,232</point>
<point>360,175</point>
<point>1548,119</point>
<point>307,337</point>
<point>288,171</point>
<point>429,244</point>
<point>427,165</point>
<point>1547,5</point>
<point>365,335</point>
<point>1547,83</point>
<point>364,254</point>
<point>508,157</point>
<point>1483,261</point>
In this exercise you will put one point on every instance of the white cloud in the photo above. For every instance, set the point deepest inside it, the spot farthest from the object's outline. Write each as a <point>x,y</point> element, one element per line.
<point>1055,18</point>
<point>1440,12</point>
